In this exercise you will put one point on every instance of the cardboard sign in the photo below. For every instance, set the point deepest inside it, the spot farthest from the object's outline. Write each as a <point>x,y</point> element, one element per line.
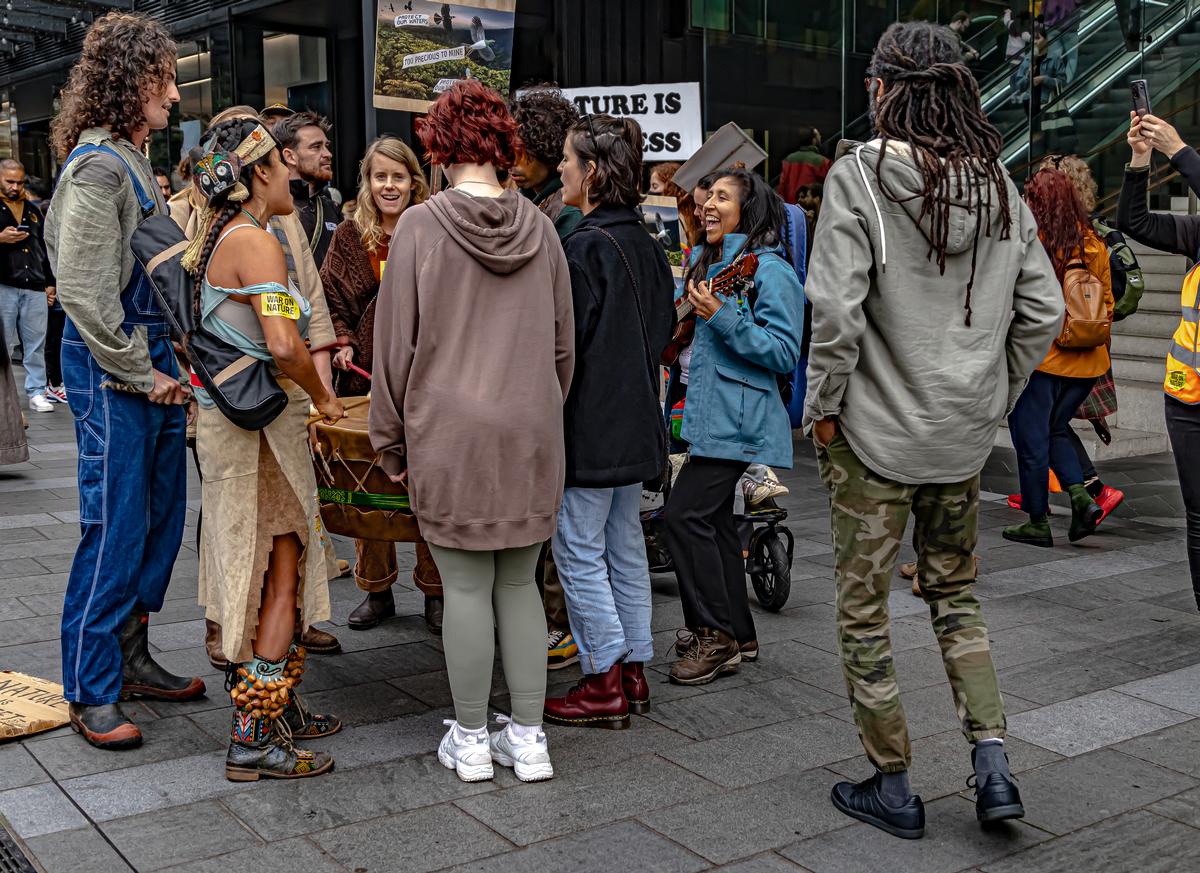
<point>423,47</point>
<point>668,114</point>
<point>29,705</point>
<point>726,147</point>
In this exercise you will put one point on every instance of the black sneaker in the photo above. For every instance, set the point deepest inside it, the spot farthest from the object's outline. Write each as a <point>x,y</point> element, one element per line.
<point>997,798</point>
<point>863,802</point>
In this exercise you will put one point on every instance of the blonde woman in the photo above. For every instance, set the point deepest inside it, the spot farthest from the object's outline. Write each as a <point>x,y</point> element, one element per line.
<point>390,180</point>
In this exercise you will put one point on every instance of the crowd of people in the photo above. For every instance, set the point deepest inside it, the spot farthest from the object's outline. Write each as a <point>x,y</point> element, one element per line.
<point>512,331</point>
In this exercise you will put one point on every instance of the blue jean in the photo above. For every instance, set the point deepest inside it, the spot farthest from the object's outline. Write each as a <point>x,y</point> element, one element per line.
<point>132,501</point>
<point>1040,425</point>
<point>601,558</point>
<point>24,313</point>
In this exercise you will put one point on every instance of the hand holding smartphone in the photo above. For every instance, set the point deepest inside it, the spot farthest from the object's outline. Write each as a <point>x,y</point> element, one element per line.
<point>1140,91</point>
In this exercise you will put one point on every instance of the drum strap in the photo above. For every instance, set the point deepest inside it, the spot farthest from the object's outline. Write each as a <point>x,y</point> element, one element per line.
<point>363,498</point>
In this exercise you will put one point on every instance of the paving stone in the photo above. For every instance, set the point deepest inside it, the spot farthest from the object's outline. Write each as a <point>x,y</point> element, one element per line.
<point>723,712</point>
<point>1183,807</point>
<point>1034,642</point>
<point>942,763</point>
<point>1179,689</point>
<point>953,840</point>
<point>624,845</point>
<point>1068,675</point>
<point>18,768</point>
<point>133,790</point>
<point>75,851</point>
<point>1120,622</point>
<point>39,809</point>
<point>290,856</point>
<point>584,798</point>
<point>12,608</point>
<point>34,629</point>
<point>412,842</point>
<point>1067,795</point>
<point>1136,843</point>
<point>1177,747</point>
<point>759,755</point>
<point>279,810</point>
<point>1082,724</point>
<point>764,816</point>
<point>1171,649</point>
<point>768,863</point>
<point>163,838</point>
<point>11,571</point>
<point>166,739</point>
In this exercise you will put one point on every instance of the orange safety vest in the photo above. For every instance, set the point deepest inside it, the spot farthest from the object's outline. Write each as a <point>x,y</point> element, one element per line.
<point>1183,360</point>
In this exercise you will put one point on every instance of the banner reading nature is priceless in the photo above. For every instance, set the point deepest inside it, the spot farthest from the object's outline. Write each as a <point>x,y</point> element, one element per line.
<point>422,48</point>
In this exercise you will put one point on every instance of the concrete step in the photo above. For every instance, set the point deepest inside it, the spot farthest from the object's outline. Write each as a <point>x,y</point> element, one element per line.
<point>1157,262</point>
<point>1140,405</point>
<point>1147,323</point>
<point>1139,249</point>
<point>1169,283</point>
<point>1126,443</point>
<point>1126,346</point>
<point>1139,368</point>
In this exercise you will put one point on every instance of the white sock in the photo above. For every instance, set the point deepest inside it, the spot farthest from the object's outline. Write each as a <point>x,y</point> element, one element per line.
<point>461,733</point>
<point>525,733</point>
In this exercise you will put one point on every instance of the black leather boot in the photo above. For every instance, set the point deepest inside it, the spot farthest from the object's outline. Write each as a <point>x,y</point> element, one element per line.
<point>141,676</point>
<point>368,614</point>
<point>434,607</point>
<point>104,726</point>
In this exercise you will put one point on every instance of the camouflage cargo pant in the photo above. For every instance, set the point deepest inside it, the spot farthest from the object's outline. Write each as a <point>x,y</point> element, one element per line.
<point>868,517</point>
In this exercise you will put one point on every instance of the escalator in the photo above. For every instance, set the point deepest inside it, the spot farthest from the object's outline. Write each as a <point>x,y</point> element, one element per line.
<point>1096,53</point>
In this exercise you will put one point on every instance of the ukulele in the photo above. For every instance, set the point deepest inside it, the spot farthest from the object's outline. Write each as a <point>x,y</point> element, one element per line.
<point>737,276</point>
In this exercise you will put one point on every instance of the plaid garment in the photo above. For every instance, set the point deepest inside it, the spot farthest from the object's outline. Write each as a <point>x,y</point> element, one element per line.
<point>1102,402</point>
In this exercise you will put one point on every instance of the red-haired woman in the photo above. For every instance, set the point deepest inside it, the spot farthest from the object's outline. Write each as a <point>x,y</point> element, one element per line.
<point>1040,421</point>
<point>474,349</point>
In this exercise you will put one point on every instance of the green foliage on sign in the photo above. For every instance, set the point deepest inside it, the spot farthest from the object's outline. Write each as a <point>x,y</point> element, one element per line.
<point>417,83</point>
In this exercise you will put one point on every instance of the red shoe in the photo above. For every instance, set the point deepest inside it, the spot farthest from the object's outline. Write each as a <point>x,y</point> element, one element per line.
<point>1109,499</point>
<point>1014,502</point>
<point>595,701</point>
<point>637,689</point>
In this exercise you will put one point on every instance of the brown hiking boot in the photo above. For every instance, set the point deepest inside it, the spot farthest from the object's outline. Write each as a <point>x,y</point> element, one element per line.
<point>712,653</point>
<point>212,645</point>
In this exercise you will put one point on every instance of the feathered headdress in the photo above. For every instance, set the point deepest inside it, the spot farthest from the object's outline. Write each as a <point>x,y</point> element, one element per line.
<point>218,178</point>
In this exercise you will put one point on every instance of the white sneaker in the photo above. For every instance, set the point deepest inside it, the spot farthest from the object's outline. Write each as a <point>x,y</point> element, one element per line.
<point>39,403</point>
<point>527,752</point>
<point>466,753</point>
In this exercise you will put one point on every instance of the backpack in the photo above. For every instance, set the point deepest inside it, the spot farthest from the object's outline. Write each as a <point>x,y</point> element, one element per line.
<point>1086,324</point>
<point>1128,282</point>
<point>795,236</point>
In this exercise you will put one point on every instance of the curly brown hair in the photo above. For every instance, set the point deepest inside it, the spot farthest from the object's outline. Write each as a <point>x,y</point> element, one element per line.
<point>124,56</point>
<point>544,116</point>
<point>1077,170</point>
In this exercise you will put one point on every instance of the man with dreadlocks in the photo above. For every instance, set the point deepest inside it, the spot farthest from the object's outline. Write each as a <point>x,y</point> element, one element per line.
<point>916,356</point>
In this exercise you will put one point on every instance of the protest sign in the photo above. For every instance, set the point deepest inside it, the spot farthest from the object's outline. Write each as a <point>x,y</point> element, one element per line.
<point>29,705</point>
<point>669,115</point>
<point>422,47</point>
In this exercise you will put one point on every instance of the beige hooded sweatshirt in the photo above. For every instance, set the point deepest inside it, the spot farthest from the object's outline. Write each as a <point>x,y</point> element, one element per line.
<point>474,349</point>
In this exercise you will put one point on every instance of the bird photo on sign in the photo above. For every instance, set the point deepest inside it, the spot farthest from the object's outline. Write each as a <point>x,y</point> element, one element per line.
<point>423,47</point>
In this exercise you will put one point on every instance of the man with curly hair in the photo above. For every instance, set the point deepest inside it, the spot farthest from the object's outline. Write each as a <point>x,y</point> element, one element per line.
<point>544,115</point>
<point>121,376</point>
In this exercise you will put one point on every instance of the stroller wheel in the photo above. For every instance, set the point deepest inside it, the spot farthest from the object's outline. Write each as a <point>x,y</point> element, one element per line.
<point>770,567</point>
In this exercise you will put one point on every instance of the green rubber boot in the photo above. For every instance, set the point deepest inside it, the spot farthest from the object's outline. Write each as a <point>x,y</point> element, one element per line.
<point>1035,532</point>
<point>1085,514</point>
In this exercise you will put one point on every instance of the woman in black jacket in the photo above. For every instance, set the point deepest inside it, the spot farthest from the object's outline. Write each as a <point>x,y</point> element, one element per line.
<point>615,434</point>
<point>1177,234</point>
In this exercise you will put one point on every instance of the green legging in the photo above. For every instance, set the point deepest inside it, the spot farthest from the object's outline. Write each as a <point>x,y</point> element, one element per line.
<point>485,590</point>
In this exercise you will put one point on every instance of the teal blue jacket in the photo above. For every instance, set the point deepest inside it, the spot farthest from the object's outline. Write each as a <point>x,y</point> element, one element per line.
<point>734,410</point>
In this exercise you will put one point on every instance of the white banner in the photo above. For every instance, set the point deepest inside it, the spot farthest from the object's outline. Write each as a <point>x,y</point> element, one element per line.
<point>668,114</point>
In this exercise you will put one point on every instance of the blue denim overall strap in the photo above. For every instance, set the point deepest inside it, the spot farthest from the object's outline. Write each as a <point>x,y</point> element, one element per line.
<point>132,492</point>
<point>137,299</point>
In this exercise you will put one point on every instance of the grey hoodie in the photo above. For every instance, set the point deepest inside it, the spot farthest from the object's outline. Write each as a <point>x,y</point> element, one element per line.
<point>474,349</point>
<point>918,393</point>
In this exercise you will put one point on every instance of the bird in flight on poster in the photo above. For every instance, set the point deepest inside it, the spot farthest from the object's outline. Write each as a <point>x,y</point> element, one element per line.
<point>422,48</point>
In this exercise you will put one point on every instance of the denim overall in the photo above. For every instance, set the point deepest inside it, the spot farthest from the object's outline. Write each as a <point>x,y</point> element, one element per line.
<point>132,492</point>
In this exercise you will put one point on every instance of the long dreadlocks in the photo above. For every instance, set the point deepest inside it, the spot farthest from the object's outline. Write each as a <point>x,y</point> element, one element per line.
<point>931,102</point>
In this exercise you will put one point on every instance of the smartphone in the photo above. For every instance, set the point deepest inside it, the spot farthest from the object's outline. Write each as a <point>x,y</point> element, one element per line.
<point>1141,96</point>
<point>23,227</point>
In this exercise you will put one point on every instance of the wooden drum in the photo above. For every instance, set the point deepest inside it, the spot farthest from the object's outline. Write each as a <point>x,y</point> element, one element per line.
<point>357,498</point>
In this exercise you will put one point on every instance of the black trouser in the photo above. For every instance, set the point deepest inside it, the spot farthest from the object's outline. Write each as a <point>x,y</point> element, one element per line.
<point>704,544</point>
<point>56,320</point>
<point>1183,426</point>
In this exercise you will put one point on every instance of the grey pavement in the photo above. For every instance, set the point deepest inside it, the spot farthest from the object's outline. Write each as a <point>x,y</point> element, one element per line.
<point>1097,647</point>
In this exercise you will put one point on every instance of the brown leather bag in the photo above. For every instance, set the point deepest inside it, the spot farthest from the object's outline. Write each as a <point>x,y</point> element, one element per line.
<point>1086,324</point>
